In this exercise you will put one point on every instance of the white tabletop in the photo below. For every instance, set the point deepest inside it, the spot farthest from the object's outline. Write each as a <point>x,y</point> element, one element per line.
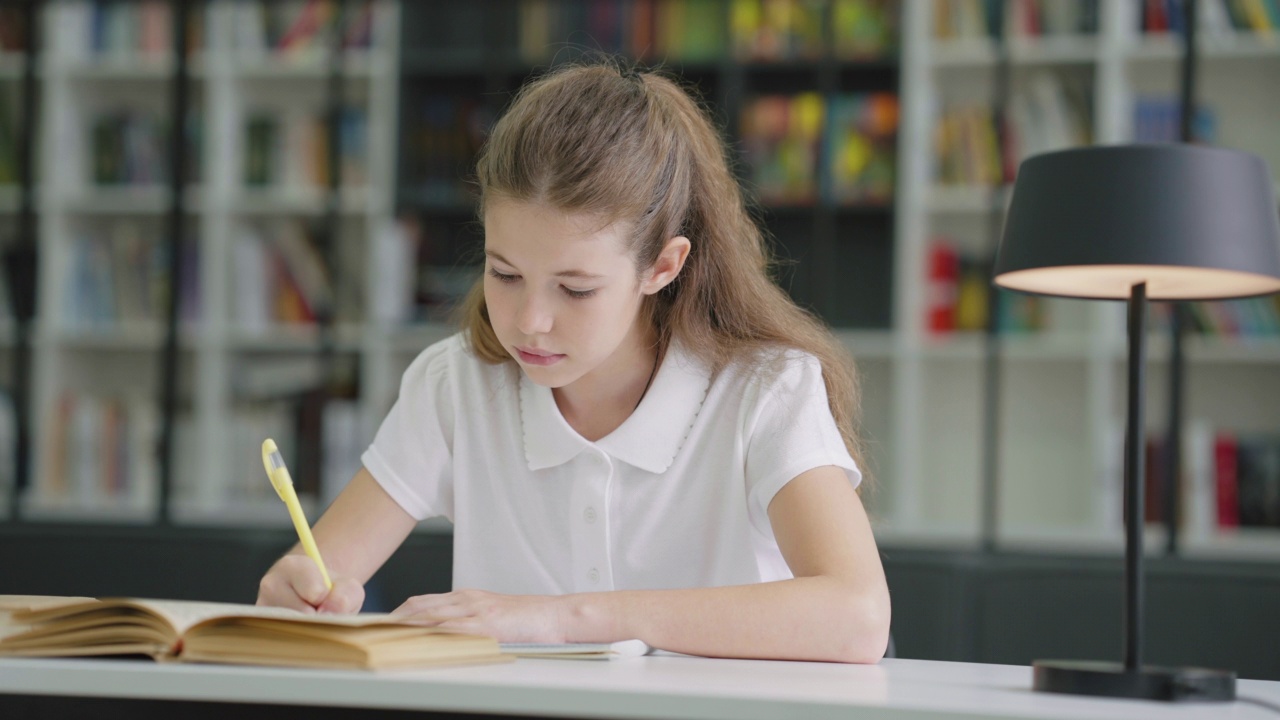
<point>648,687</point>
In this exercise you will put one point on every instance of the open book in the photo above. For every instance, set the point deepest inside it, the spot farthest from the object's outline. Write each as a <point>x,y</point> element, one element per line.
<point>185,631</point>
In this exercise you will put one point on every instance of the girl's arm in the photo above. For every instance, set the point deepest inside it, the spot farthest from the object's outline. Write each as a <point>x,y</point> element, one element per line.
<point>359,531</point>
<point>836,608</point>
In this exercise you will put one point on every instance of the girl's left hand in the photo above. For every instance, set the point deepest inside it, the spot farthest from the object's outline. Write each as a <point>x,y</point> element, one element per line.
<point>509,618</point>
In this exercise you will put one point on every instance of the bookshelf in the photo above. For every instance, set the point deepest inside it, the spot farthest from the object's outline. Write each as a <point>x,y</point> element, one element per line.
<point>106,77</point>
<point>429,82</point>
<point>1062,385</point>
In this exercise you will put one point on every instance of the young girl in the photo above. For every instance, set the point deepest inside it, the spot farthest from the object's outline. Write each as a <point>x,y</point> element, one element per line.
<point>637,434</point>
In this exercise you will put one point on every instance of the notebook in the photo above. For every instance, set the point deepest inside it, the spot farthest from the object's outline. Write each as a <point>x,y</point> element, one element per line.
<point>578,651</point>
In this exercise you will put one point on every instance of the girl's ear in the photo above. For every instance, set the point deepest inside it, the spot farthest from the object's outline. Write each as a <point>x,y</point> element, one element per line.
<point>667,267</point>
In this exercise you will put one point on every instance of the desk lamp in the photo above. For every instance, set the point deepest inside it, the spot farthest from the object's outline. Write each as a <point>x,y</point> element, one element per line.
<point>1138,223</point>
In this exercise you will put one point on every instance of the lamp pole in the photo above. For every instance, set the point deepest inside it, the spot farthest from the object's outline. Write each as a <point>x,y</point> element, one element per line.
<point>1133,474</point>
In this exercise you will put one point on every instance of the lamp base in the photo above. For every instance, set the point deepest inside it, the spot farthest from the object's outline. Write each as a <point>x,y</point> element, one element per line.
<point>1146,683</point>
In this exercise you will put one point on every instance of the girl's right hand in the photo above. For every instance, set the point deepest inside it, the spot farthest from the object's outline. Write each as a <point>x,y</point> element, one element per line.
<point>295,582</point>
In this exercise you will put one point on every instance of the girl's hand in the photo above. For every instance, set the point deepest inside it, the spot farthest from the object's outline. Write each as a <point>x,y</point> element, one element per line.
<point>509,618</point>
<point>295,582</point>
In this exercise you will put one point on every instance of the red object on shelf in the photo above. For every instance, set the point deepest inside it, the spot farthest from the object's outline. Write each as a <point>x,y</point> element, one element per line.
<point>1226,480</point>
<point>942,287</point>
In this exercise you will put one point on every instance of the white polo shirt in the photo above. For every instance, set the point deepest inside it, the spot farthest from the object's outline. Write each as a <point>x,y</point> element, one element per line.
<point>675,497</point>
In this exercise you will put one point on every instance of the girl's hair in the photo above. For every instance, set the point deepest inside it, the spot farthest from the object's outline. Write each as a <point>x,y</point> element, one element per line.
<point>634,146</point>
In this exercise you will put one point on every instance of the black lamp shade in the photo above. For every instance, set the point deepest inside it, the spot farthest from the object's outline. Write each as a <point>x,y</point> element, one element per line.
<point>1193,223</point>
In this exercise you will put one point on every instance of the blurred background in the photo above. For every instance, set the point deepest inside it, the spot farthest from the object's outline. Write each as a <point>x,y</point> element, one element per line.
<point>240,219</point>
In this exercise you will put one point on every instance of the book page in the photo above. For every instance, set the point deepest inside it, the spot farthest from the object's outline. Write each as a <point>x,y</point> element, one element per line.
<point>185,614</point>
<point>177,615</point>
<point>12,603</point>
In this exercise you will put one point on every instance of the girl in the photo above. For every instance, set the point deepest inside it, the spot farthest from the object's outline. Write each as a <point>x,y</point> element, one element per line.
<point>637,434</point>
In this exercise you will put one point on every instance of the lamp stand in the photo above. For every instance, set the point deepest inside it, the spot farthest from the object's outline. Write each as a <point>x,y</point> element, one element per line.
<point>1131,679</point>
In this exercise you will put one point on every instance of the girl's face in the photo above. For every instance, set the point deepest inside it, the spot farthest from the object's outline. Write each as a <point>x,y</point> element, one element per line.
<point>562,292</point>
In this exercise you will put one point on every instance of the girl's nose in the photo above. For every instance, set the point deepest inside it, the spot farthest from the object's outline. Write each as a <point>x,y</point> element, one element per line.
<point>534,318</point>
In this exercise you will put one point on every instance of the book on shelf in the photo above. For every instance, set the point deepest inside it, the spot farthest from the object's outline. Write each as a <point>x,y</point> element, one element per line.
<point>125,30</point>
<point>12,23</point>
<point>1217,17</point>
<point>709,30</point>
<point>299,30</point>
<point>781,135</point>
<point>982,19</point>
<point>442,139</point>
<point>784,30</point>
<point>9,142</point>
<point>291,149</point>
<point>344,439</point>
<point>1047,111</point>
<point>187,631</point>
<point>1227,479</point>
<point>282,278</point>
<point>320,442</point>
<point>865,29</point>
<point>8,440</point>
<point>261,150</point>
<point>1158,119</point>
<point>673,30</point>
<point>99,450</point>
<point>860,142</point>
<point>1245,477</point>
<point>774,30</point>
<point>130,147</point>
<point>115,276</point>
<point>959,292</point>
<point>1251,318</point>
<point>395,253</point>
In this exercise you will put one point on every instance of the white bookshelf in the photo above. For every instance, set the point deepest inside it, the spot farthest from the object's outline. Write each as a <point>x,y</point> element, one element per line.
<point>1063,387</point>
<point>228,80</point>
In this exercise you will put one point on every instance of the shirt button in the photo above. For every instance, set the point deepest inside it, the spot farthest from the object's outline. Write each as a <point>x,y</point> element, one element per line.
<point>597,460</point>
<point>589,515</point>
<point>593,575</point>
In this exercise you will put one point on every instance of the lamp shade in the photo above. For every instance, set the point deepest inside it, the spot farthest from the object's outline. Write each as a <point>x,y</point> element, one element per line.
<point>1192,222</point>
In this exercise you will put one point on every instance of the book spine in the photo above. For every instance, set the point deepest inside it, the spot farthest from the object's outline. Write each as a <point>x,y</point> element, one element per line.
<point>1224,454</point>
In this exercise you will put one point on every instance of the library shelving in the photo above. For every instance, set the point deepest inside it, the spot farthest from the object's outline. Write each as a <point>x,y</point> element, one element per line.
<point>253,279</point>
<point>1086,71</point>
<point>885,251</point>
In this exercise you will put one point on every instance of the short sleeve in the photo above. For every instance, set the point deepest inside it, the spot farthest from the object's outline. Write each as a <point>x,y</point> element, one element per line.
<point>790,431</point>
<point>411,456</point>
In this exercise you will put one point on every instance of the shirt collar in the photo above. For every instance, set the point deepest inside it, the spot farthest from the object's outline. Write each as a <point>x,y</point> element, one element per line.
<point>649,439</point>
<point>548,438</point>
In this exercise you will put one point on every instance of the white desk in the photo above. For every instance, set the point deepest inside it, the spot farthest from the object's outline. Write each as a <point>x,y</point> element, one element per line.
<point>651,687</point>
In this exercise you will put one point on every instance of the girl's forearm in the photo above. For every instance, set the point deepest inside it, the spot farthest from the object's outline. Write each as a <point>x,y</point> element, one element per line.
<point>810,618</point>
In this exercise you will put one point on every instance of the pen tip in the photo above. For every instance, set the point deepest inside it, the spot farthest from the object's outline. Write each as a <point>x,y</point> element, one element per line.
<point>268,446</point>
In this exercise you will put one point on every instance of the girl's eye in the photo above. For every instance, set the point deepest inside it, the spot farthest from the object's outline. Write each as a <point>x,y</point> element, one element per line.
<point>502,277</point>
<point>578,294</point>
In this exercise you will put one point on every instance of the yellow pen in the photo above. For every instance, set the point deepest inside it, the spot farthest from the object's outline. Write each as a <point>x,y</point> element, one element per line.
<point>283,484</point>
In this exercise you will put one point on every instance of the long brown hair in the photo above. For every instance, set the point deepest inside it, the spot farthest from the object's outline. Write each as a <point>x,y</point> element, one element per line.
<point>625,145</point>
